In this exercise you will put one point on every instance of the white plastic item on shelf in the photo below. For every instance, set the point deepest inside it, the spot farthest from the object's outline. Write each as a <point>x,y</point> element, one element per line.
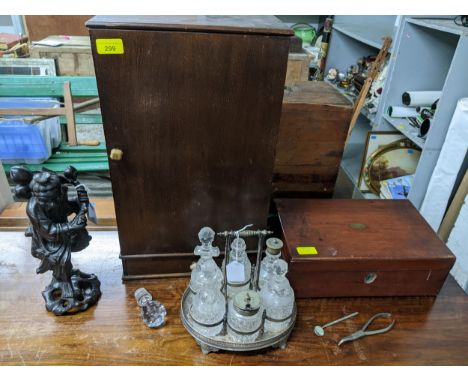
<point>420,98</point>
<point>448,166</point>
<point>402,112</point>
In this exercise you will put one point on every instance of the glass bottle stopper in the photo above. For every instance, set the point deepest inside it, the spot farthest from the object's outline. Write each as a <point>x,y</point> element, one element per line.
<point>142,296</point>
<point>206,237</point>
<point>152,311</point>
<point>238,246</point>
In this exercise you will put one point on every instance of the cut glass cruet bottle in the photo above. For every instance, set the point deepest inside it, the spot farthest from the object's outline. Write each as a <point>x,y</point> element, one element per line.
<point>239,268</point>
<point>208,310</point>
<point>245,316</point>
<point>206,272</point>
<point>272,253</point>
<point>153,312</point>
<point>278,298</point>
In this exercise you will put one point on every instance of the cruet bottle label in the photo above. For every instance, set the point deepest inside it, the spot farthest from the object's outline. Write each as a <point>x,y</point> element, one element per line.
<point>235,272</point>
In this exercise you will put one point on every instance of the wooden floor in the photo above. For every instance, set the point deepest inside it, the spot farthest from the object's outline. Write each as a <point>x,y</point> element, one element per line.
<point>429,331</point>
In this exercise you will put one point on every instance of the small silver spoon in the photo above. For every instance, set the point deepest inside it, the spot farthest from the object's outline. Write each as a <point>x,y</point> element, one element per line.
<point>319,330</point>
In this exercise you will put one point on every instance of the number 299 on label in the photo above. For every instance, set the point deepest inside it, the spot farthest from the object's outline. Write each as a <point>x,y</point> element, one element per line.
<point>109,46</point>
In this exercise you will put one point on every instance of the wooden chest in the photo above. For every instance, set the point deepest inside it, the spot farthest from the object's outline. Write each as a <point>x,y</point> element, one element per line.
<point>338,248</point>
<point>314,124</point>
<point>193,103</point>
<point>72,57</point>
<point>298,67</point>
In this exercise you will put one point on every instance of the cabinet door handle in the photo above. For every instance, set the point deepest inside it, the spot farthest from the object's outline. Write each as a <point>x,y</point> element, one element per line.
<point>116,154</point>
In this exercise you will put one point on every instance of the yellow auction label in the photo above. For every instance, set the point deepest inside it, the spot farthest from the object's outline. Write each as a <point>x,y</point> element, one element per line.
<point>306,251</point>
<point>109,46</point>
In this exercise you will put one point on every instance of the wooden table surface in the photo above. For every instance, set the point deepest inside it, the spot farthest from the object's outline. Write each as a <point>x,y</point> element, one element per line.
<point>428,331</point>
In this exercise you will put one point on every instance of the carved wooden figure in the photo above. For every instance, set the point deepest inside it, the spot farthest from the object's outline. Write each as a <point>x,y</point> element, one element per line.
<point>54,237</point>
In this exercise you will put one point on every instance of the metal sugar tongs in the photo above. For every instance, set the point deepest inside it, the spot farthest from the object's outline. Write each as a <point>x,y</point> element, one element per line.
<point>363,332</point>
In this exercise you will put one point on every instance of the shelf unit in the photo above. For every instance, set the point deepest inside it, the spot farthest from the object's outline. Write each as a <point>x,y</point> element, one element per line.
<point>407,129</point>
<point>369,33</point>
<point>428,54</point>
<point>354,37</point>
<point>351,163</point>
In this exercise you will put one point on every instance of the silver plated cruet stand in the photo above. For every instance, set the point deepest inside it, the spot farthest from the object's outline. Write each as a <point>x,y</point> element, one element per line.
<point>247,304</point>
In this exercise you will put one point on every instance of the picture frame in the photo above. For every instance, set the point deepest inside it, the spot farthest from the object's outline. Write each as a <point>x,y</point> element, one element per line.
<point>392,161</point>
<point>28,66</point>
<point>375,140</point>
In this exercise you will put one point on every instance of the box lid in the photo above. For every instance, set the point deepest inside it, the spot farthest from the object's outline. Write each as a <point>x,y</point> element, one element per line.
<point>227,24</point>
<point>352,234</point>
<point>315,92</point>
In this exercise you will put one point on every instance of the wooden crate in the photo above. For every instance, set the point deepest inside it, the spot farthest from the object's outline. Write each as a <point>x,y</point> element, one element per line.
<point>72,58</point>
<point>298,67</point>
<point>314,123</point>
<point>344,248</point>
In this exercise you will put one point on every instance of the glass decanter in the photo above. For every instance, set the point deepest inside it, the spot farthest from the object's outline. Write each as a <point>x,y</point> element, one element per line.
<point>278,298</point>
<point>206,272</point>
<point>245,316</point>
<point>272,253</point>
<point>238,269</point>
<point>152,312</point>
<point>207,310</point>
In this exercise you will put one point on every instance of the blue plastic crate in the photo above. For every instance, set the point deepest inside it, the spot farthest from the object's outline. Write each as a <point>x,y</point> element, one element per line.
<point>14,136</point>
<point>22,143</point>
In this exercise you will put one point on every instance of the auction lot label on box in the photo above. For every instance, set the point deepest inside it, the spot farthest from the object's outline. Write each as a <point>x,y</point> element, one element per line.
<point>109,46</point>
<point>305,251</point>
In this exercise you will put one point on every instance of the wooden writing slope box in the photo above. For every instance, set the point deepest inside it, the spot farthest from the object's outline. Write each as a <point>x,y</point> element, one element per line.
<point>363,248</point>
<point>314,124</point>
<point>194,104</point>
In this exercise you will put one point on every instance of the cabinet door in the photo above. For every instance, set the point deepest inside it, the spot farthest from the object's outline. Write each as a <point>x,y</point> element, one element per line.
<point>196,116</point>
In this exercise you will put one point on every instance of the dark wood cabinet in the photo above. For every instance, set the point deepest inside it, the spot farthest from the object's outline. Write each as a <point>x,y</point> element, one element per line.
<point>193,103</point>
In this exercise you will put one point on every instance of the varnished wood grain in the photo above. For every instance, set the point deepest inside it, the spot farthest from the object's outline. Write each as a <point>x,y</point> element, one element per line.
<point>314,122</point>
<point>42,26</point>
<point>356,237</point>
<point>298,67</point>
<point>268,25</point>
<point>428,331</point>
<point>196,115</point>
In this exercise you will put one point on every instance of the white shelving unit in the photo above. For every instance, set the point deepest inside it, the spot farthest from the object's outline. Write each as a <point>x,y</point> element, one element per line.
<point>354,37</point>
<point>426,54</point>
<point>368,32</point>
<point>405,128</point>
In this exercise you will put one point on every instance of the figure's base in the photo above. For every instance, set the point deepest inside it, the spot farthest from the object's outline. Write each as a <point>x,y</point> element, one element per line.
<point>224,341</point>
<point>75,296</point>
